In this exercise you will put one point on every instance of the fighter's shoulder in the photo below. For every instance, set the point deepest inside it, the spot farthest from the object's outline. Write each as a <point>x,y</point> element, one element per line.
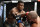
<point>23,11</point>
<point>13,9</point>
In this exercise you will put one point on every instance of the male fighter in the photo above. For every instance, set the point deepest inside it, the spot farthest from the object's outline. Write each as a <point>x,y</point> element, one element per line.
<point>33,19</point>
<point>15,12</point>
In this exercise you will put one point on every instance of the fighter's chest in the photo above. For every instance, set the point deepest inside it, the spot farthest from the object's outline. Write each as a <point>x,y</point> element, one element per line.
<point>20,11</point>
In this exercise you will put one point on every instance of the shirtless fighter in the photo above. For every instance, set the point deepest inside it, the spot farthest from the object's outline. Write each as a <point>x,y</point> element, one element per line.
<point>33,19</point>
<point>14,12</point>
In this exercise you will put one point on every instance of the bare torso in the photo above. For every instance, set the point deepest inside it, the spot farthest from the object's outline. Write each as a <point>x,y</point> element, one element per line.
<point>14,11</point>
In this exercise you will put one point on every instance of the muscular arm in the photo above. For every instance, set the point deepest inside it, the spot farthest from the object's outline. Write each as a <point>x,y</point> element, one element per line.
<point>11,18</point>
<point>20,25</point>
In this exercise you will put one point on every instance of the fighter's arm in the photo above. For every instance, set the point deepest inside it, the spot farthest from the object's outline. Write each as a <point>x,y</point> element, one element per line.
<point>20,25</point>
<point>12,13</point>
<point>16,13</point>
<point>23,13</point>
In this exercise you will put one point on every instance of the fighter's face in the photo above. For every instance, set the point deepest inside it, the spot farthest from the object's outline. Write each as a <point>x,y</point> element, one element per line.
<point>21,6</point>
<point>29,18</point>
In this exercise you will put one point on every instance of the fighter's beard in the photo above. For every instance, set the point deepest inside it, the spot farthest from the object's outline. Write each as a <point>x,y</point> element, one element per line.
<point>32,22</point>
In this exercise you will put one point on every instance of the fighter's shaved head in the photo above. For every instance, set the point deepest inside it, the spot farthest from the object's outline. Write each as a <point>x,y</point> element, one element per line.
<point>33,14</point>
<point>20,2</point>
